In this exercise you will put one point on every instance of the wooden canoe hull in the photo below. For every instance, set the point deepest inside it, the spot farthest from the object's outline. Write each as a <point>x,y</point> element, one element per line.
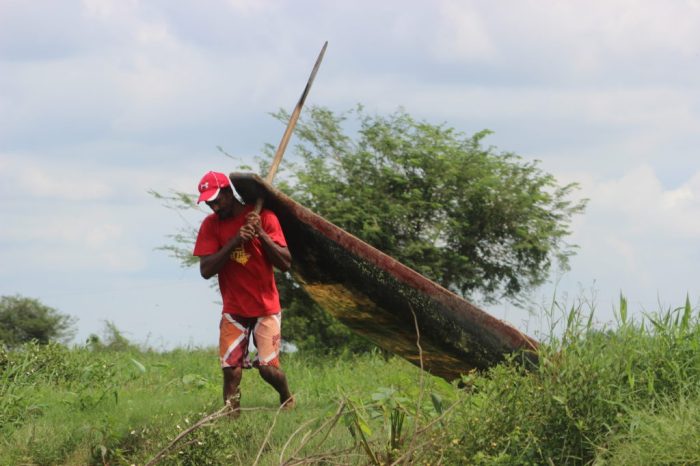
<point>378,297</point>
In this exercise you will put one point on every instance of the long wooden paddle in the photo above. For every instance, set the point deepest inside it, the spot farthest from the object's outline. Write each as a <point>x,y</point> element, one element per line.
<point>290,126</point>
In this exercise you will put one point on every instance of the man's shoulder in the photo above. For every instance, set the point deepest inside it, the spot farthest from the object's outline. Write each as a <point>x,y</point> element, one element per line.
<point>267,213</point>
<point>210,219</point>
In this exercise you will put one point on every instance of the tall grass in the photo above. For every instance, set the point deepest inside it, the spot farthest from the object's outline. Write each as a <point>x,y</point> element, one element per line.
<point>624,394</point>
<point>581,396</point>
<point>669,434</point>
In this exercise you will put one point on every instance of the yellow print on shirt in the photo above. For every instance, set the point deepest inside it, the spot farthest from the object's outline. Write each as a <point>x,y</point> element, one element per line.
<point>239,255</point>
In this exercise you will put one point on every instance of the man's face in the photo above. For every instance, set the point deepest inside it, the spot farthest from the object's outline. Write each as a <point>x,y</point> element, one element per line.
<point>223,204</point>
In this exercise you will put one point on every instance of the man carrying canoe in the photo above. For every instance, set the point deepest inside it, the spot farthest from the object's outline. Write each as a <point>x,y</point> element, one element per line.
<point>241,247</point>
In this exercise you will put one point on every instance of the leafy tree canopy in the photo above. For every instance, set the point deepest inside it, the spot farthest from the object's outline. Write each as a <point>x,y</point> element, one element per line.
<point>25,319</point>
<point>466,216</point>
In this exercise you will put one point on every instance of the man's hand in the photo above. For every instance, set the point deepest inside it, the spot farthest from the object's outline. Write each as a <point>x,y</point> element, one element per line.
<point>278,255</point>
<point>247,232</point>
<point>253,219</point>
<point>211,264</point>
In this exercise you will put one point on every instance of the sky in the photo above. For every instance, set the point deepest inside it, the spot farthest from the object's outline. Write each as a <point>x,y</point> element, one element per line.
<point>102,101</point>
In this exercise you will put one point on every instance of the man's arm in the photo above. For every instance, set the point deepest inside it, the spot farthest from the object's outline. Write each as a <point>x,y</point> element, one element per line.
<point>211,264</point>
<point>279,256</point>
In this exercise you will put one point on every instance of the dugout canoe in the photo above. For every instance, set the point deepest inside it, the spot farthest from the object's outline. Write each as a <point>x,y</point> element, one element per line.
<point>377,297</point>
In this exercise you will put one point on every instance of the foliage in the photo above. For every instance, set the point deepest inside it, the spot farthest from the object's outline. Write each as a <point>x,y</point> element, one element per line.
<point>667,435</point>
<point>25,319</point>
<point>391,411</point>
<point>582,391</point>
<point>79,406</point>
<point>622,395</point>
<point>32,365</point>
<point>113,340</point>
<point>466,216</point>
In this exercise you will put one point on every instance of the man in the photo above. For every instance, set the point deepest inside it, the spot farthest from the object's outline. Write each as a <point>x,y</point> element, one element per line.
<point>241,247</point>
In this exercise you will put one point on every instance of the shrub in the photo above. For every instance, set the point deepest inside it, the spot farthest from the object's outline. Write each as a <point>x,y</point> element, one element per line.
<point>26,319</point>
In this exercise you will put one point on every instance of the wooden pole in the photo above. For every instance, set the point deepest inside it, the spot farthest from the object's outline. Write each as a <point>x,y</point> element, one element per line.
<point>290,126</point>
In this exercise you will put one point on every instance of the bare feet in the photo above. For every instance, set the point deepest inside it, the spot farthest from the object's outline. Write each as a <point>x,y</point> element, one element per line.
<point>289,403</point>
<point>234,404</point>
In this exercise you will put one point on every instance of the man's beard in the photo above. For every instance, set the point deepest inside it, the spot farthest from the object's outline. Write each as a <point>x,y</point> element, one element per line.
<point>224,214</point>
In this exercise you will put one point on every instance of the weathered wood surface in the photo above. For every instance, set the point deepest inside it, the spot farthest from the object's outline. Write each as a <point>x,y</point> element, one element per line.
<point>377,296</point>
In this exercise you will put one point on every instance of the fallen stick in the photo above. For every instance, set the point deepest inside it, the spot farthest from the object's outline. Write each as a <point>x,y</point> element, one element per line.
<point>225,411</point>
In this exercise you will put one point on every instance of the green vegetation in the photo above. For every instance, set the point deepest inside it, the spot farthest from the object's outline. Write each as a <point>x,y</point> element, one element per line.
<point>623,395</point>
<point>465,215</point>
<point>26,319</point>
<point>581,404</point>
<point>80,406</point>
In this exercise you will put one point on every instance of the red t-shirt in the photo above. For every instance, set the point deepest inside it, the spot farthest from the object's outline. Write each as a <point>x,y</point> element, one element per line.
<point>246,281</point>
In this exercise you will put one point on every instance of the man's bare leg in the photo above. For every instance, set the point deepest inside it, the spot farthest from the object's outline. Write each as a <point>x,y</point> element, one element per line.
<point>278,380</point>
<point>232,391</point>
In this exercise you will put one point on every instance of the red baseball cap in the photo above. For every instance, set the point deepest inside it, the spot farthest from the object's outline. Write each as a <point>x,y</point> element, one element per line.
<point>210,185</point>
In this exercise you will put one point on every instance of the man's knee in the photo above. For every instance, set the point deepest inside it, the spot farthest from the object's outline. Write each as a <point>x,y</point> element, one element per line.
<point>231,374</point>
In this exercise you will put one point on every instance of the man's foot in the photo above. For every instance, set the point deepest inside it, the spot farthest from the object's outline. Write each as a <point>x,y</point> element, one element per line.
<point>234,405</point>
<point>234,413</point>
<point>289,403</point>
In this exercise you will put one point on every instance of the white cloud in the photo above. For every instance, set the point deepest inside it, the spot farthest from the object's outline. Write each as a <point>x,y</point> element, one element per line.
<point>561,43</point>
<point>58,238</point>
<point>637,237</point>
<point>23,178</point>
<point>462,35</point>
<point>108,9</point>
<point>71,216</point>
<point>250,7</point>
<point>643,207</point>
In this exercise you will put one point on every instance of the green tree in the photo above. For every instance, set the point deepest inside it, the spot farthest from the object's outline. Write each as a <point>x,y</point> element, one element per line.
<point>25,319</point>
<point>466,216</point>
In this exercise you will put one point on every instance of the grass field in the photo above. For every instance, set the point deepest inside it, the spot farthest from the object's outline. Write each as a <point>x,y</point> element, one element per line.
<point>625,395</point>
<point>77,406</point>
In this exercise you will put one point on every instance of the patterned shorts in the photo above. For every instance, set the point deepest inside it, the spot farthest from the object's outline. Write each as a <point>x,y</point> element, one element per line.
<point>234,335</point>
